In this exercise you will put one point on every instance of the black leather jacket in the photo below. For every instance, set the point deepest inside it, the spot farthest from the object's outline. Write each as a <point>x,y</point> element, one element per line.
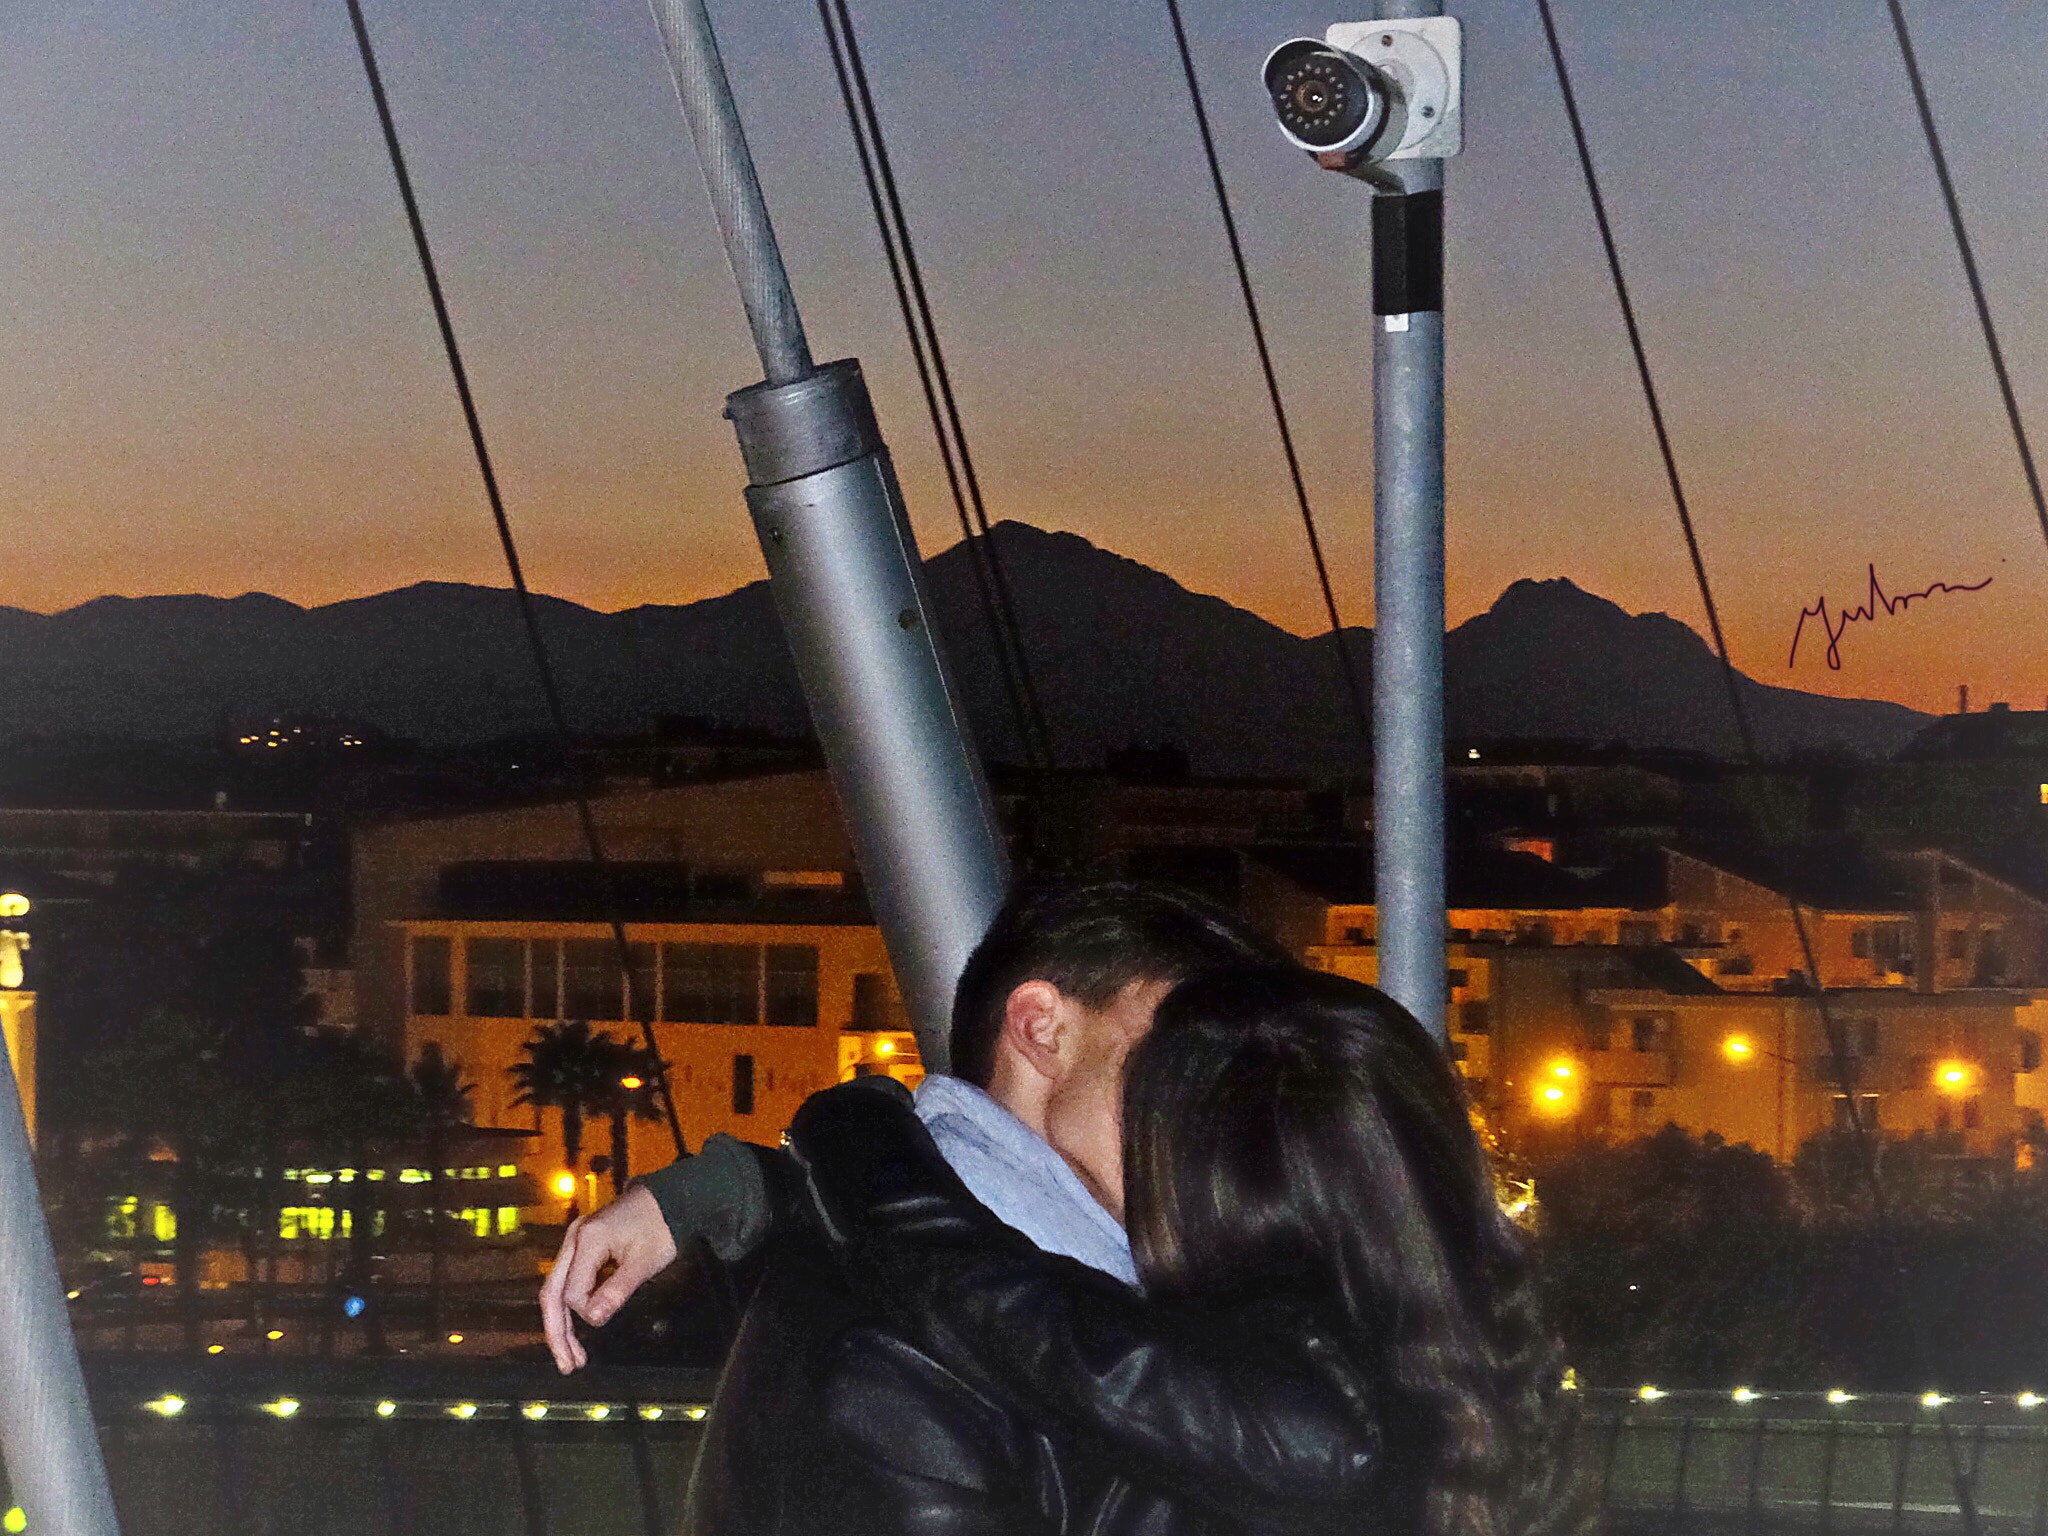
<point>912,1365</point>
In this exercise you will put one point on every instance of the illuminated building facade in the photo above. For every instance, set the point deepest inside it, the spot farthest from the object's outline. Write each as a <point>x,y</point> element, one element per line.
<point>752,955</point>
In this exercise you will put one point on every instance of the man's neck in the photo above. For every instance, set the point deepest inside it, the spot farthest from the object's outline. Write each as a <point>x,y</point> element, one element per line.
<point>1026,1094</point>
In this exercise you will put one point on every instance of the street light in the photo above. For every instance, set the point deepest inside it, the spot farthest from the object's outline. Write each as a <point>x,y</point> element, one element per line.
<point>1557,1090</point>
<point>1955,1078</point>
<point>565,1184</point>
<point>1742,1051</point>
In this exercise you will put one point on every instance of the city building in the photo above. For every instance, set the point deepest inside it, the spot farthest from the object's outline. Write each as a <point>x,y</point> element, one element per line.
<point>753,957</point>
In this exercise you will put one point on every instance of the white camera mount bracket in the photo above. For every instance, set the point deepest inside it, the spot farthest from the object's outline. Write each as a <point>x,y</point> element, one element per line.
<point>1423,59</point>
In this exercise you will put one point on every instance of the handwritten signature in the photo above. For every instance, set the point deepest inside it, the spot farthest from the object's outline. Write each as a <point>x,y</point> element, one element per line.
<point>1878,601</point>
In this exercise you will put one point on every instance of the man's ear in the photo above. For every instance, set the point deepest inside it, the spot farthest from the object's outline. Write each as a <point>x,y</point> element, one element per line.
<point>1035,1026</point>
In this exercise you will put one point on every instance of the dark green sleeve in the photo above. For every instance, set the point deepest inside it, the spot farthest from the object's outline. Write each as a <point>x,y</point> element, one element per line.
<point>731,1194</point>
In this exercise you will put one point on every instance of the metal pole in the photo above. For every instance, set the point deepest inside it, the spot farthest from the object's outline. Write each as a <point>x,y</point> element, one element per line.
<point>47,1436</point>
<point>736,201</point>
<point>1408,577</point>
<point>848,583</point>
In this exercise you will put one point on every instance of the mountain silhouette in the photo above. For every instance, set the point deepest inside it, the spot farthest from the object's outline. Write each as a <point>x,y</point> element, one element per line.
<point>1120,653</point>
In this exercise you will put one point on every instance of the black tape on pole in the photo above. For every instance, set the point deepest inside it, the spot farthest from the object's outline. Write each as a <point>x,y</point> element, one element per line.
<point>1407,252</point>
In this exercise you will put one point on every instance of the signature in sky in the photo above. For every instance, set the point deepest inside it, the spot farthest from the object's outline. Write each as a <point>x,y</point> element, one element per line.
<point>1878,603</point>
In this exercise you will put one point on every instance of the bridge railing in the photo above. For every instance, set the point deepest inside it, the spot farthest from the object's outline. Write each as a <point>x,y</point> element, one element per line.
<point>1705,1464</point>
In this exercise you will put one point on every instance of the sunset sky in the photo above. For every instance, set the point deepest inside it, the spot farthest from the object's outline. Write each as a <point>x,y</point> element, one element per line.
<point>218,372</point>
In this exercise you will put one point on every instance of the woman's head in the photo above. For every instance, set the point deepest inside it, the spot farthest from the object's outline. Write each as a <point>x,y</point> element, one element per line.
<point>1291,1131</point>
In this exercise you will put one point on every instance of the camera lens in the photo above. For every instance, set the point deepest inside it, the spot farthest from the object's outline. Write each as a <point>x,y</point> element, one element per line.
<point>1322,99</point>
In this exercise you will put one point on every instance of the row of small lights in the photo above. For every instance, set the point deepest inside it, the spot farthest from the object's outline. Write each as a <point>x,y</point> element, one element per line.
<point>170,1405</point>
<point>1836,1397</point>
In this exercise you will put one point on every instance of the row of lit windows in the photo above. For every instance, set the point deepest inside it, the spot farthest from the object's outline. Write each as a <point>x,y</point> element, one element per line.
<point>321,1223</point>
<point>405,1175</point>
<point>774,984</point>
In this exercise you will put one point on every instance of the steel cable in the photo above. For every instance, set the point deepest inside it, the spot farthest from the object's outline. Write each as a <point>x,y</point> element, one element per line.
<point>528,612</point>
<point>1843,1059</point>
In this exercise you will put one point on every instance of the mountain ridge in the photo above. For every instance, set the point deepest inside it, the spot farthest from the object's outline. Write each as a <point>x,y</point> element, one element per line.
<point>1121,653</point>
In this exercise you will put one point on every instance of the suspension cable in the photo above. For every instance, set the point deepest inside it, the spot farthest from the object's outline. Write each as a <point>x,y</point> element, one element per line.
<point>1353,689</point>
<point>1964,249</point>
<point>1007,644</point>
<point>529,616</point>
<point>884,194</point>
<point>1844,1061</point>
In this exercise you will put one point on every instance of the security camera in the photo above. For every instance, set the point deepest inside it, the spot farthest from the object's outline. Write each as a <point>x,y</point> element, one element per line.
<point>1328,102</point>
<point>1372,91</point>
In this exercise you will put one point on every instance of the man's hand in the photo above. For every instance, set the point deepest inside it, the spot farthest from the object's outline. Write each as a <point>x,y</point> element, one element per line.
<point>629,1233</point>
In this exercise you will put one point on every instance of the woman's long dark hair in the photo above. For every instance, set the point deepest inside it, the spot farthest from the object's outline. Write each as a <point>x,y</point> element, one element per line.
<point>1287,1130</point>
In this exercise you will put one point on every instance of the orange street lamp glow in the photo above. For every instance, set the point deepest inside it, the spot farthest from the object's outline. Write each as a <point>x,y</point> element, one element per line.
<point>1739,1049</point>
<point>885,1047</point>
<point>565,1185</point>
<point>630,1084</point>
<point>1954,1076</point>
<point>1562,1069</point>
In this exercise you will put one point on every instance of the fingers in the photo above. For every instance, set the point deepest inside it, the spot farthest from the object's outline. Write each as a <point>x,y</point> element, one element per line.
<point>635,1269</point>
<point>554,1310</point>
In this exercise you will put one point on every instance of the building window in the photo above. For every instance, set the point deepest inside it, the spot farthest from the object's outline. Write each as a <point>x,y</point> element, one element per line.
<point>2030,1051</point>
<point>743,1085</point>
<point>1642,1106</point>
<point>497,978</point>
<point>1646,1033</point>
<point>640,963</point>
<point>1457,978</point>
<point>1477,1017</point>
<point>711,983</point>
<point>1959,943</point>
<point>546,993</point>
<point>2044,794</point>
<point>1859,943</point>
<point>1867,1039</point>
<point>1357,935</point>
<point>1973,1114</point>
<point>432,965</point>
<point>792,986</point>
<point>1636,931</point>
<point>1866,1102</point>
<point>590,979</point>
<point>876,1002</point>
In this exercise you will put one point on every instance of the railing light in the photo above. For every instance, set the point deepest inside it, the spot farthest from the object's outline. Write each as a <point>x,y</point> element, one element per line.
<point>386,1408</point>
<point>2029,1399</point>
<point>1649,1394</point>
<point>598,1411</point>
<point>282,1407</point>
<point>1932,1400</point>
<point>1744,1395</point>
<point>535,1410</point>
<point>1837,1397</point>
<point>169,1406</point>
<point>216,1349</point>
<point>463,1410</point>
<point>650,1411</point>
<point>696,1413</point>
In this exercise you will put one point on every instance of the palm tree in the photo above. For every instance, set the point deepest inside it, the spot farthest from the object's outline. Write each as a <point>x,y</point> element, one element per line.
<point>440,1104</point>
<point>564,1068</point>
<point>630,1091</point>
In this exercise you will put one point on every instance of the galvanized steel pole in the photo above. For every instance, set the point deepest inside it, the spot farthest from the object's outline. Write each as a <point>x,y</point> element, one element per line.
<point>47,1436</point>
<point>848,583</point>
<point>1409,887</point>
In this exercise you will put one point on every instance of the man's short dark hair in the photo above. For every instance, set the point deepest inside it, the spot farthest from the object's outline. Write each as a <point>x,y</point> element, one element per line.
<point>1091,939</point>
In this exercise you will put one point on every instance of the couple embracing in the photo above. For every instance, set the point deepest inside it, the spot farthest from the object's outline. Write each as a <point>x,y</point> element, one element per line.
<point>1194,1240</point>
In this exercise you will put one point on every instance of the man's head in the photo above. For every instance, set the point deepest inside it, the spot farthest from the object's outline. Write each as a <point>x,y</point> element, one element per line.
<point>1061,987</point>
